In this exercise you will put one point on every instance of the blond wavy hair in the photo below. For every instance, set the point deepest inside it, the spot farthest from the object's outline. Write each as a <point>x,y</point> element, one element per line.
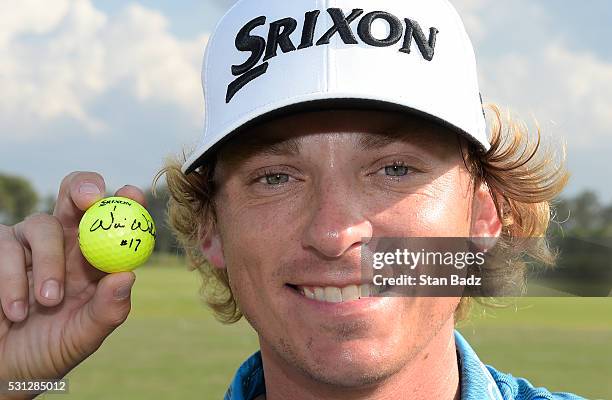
<point>523,174</point>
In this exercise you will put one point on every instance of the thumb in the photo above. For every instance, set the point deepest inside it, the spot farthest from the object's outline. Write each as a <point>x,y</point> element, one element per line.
<point>106,310</point>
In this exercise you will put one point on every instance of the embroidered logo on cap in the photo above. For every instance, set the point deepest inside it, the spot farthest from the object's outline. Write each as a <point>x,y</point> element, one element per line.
<point>279,31</point>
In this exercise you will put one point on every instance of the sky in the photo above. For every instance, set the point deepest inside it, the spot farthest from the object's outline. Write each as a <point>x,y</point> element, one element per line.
<point>113,86</point>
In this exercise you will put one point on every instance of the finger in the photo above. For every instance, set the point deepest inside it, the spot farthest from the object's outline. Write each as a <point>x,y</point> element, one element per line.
<point>44,235</point>
<point>5,323</point>
<point>134,193</point>
<point>77,193</point>
<point>13,278</point>
<point>107,309</point>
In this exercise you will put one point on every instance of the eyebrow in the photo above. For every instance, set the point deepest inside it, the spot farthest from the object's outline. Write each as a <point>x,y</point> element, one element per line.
<point>278,147</point>
<point>372,141</point>
<point>254,146</point>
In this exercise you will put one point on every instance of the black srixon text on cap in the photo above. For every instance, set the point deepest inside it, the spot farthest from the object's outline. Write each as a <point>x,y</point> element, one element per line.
<point>279,31</point>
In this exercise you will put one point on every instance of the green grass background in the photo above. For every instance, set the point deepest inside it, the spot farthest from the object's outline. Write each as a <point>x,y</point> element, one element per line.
<point>172,348</point>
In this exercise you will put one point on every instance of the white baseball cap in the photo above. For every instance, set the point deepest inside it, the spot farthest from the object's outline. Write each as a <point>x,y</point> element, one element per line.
<point>270,57</point>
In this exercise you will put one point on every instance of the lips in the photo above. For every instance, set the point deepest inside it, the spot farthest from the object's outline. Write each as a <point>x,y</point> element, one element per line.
<point>334,294</point>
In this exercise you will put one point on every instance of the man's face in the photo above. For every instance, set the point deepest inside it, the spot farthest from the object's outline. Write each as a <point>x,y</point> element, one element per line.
<point>298,196</point>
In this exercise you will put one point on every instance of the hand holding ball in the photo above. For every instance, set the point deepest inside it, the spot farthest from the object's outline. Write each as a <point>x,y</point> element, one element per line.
<point>116,234</point>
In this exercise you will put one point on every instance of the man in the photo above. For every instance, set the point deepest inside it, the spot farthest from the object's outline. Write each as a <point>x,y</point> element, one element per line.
<point>328,124</point>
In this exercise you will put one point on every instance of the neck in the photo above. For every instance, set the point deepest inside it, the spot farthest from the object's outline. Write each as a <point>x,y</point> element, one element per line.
<point>432,374</point>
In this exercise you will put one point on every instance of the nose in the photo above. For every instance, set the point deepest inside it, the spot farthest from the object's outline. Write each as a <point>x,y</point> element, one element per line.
<point>337,223</point>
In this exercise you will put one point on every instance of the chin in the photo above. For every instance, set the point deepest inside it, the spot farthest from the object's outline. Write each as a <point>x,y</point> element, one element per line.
<point>357,363</point>
<point>357,373</point>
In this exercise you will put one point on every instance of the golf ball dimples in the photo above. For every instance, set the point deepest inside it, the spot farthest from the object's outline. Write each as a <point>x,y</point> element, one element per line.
<point>116,234</point>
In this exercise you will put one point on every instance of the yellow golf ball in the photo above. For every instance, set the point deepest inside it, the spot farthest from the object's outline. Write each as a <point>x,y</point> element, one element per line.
<point>116,234</point>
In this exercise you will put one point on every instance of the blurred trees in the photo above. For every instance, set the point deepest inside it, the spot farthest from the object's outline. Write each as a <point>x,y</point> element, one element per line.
<point>583,216</point>
<point>581,234</point>
<point>17,198</point>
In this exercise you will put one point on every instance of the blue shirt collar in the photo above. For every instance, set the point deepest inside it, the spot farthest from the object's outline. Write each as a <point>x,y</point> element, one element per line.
<point>476,381</point>
<point>248,383</point>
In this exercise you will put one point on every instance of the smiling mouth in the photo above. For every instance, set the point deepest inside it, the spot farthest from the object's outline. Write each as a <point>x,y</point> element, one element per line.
<point>333,294</point>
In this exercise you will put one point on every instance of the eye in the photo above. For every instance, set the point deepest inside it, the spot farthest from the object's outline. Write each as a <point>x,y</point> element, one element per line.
<point>274,179</point>
<point>396,170</point>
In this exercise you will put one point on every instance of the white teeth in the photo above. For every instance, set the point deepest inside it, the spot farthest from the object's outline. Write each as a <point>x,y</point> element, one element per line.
<point>308,292</point>
<point>364,290</point>
<point>332,294</point>
<point>350,292</point>
<point>319,293</point>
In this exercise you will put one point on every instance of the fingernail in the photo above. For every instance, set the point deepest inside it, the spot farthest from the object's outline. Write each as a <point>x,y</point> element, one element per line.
<point>123,292</point>
<point>50,289</point>
<point>89,188</point>
<point>18,309</point>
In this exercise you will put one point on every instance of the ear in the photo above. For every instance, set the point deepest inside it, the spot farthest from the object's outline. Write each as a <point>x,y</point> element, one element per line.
<point>485,221</point>
<point>213,250</point>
